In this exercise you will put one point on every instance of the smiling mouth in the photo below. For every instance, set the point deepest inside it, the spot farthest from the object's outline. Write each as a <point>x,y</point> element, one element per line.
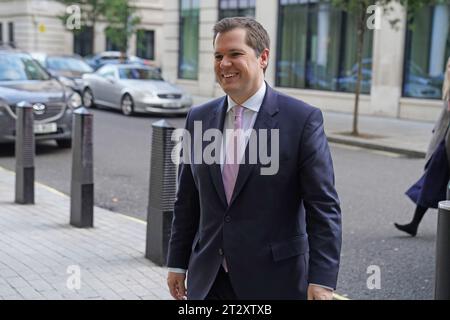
<point>229,75</point>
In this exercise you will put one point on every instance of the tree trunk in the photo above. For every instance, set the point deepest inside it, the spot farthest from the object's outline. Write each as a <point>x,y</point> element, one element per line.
<point>361,15</point>
<point>124,40</point>
<point>93,35</point>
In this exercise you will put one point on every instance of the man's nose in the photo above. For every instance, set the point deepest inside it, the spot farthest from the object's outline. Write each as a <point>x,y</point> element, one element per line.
<point>225,62</point>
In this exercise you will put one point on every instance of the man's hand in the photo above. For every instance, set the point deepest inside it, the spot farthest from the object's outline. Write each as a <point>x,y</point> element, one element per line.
<point>175,281</point>
<point>319,293</point>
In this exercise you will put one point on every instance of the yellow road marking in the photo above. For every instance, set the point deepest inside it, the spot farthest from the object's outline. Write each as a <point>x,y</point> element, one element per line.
<point>339,297</point>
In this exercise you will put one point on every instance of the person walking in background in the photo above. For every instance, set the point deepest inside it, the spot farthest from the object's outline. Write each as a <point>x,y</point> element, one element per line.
<point>431,187</point>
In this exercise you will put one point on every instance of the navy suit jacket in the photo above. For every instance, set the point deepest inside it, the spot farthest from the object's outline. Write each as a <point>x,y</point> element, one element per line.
<point>280,232</point>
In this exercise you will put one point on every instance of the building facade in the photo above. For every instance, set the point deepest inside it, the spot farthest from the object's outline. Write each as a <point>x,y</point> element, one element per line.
<point>35,26</point>
<point>313,54</point>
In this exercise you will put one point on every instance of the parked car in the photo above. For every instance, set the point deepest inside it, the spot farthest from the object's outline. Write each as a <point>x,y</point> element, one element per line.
<point>134,88</point>
<point>23,79</point>
<point>419,84</point>
<point>347,81</point>
<point>69,69</point>
<point>114,57</point>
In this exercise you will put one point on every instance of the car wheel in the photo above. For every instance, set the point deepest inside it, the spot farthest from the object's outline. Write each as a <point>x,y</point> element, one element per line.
<point>64,144</point>
<point>127,105</point>
<point>88,98</point>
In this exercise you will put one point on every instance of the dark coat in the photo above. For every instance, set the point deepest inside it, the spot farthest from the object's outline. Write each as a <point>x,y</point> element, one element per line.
<point>280,232</point>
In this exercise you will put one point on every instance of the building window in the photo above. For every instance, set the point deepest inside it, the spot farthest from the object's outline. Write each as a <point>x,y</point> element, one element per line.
<point>426,52</point>
<point>145,44</point>
<point>83,41</point>
<point>11,32</point>
<point>236,8</point>
<point>317,48</point>
<point>189,40</point>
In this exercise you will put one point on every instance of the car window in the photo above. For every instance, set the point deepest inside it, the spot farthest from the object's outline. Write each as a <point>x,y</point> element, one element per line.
<point>67,63</point>
<point>139,74</point>
<point>106,73</point>
<point>20,67</point>
<point>110,58</point>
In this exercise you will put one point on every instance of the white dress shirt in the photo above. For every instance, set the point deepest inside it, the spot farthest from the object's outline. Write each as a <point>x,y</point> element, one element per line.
<point>251,109</point>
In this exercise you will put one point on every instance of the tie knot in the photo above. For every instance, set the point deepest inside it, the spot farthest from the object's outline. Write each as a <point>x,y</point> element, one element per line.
<point>238,110</point>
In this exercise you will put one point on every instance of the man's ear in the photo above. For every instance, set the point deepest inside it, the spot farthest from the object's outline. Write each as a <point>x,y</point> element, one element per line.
<point>264,58</point>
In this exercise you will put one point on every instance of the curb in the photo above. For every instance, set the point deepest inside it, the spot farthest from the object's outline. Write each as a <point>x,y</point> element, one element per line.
<point>374,146</point>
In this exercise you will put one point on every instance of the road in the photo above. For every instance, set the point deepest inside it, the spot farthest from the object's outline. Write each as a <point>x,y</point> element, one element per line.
<point>370,184</point>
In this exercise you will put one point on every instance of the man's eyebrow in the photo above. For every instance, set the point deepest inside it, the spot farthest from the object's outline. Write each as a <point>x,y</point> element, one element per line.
<point>231,50</point>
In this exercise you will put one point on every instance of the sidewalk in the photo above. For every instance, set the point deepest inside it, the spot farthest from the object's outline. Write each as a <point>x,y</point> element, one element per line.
<point>406,137</point>
<point>38,249</point>
<point>402,136</point>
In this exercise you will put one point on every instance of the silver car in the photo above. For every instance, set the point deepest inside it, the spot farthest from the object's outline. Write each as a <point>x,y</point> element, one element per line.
<point>134,88</point>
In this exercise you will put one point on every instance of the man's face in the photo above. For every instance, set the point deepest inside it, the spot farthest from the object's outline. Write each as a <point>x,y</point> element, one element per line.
<point>238,70</point>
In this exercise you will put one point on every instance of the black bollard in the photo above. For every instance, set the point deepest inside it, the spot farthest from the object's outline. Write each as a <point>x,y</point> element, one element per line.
<point>25,151</point>
<point>442,278</point>
<point>82,183</point>
<point>161,193</point>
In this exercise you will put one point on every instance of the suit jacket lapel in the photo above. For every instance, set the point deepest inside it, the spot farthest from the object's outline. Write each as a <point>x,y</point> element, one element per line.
<point>264,120</point>
<point>217,121</point>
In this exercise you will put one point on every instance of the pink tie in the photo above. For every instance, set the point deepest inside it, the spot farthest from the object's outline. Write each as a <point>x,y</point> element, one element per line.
<point>231,165</point>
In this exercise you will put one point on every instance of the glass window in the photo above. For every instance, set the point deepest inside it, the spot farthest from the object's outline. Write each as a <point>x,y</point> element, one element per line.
<point>68,63</point>
<point>83,41</point>
<point>317,48</point>
<point>18,67</point>
<point>426,53</point>
<point>139,74</point>
<point>189,39</point>
<point>145,44</point>
<point>323,63</point>
<point>11,32</point>
<point>107,72</point>
<point>236,8</point>
<point>291,62</point>
<point>348,71</point>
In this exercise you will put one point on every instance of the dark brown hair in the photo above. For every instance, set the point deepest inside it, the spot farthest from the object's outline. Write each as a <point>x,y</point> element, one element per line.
<point>256,36</point>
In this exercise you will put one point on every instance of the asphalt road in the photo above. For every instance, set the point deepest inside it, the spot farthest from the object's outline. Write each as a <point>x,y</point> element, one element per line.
<point>370,184</point>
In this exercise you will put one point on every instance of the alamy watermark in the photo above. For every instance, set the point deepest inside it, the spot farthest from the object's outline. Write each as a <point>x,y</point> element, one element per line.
<point>209,147</point>
<point>374,19</point>
<point>374,280</point>
<point>73,21</point>
<point>74,280</point>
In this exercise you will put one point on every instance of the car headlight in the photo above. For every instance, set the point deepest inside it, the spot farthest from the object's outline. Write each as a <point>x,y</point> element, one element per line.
<point>75,101</point>
<point>67,82</point>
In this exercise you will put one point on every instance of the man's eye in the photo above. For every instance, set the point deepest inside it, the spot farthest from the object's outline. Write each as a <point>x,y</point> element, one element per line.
<point>218,57</point>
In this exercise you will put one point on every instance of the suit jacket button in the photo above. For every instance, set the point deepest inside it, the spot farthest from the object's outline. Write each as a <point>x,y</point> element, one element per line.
<point>221,252</point>
<point>227,219</point>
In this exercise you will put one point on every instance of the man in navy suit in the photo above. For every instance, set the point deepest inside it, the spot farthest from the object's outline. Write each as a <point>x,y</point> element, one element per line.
<point>238,233</point>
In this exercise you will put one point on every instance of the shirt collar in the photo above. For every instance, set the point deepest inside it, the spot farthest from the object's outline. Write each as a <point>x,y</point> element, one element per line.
<point>254,102</point>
